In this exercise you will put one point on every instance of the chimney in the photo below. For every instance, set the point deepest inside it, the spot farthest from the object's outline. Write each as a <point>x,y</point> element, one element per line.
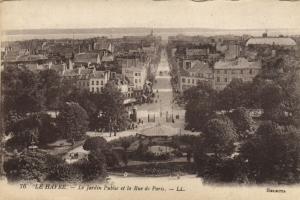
<point>50,65</point>
<point>64,68</point>
<point>79,70</point>
<point>70,64</point>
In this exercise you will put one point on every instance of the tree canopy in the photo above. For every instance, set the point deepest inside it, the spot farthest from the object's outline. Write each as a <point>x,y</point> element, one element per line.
<point>72,121</point>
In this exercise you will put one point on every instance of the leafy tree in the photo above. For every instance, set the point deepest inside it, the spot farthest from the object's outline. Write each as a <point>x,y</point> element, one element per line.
<point>38,128</point>
<point>89,102</point>
<point>95,168</point>
<point>66,173</point>
<point>20,91</point>
<point>272,154</point>
<point>242,121</point>
<point>95,143</point>
<point>29,166</point>
<point>234,95</point>
<point>49,84</point>
<point>112,108</point>
<point>99,144</point>
<point>200,105</point>
<point>271,96</point>
<point>72,121</point>
<point>219,136</point>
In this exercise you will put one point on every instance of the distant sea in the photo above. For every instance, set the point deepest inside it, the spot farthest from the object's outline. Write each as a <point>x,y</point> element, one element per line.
<point>17,35</point>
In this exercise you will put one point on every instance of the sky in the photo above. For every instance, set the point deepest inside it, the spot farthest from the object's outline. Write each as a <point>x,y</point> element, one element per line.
<point>220,14</point>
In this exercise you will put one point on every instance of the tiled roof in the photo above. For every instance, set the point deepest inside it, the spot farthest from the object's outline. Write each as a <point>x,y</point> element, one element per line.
<point>183,72</point>
<point>135,69</point>
<point>98,74</point>
<point>23,58</point>
<point>86,71</point>
<point>72,72</point>
<point>86,57</point>
<point>102,44</point>
<point>241,63</point>
<point>282,41</point>
<point>58,68</point>
<point>198,66</point>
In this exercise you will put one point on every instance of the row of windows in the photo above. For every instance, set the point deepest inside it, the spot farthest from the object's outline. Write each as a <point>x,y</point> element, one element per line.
<point>137,80</point>
<point>238,71</point>
<point>83,83</point>
<point>226,80</point>
<point>189,81</point>
<point>97,82</point>
<point>97,89</point>
<point>137,74</point>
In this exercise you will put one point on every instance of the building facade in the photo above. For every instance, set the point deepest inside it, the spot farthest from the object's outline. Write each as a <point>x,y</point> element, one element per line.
<point>226,71</point>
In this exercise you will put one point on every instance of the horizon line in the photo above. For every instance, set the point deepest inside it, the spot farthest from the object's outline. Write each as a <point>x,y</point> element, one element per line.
<point>144,27</point>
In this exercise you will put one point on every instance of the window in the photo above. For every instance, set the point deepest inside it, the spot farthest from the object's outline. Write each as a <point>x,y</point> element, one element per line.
<point>140,81</point>
<point>189,81</point>
<point>225,79</point>
<point>101,82</point>
<point>225,71</point>
<point>183,80</point>
<point>250,71</point>
<point>242,71</point>
<point>218,79</point>
<point>97,90</point>
<point>97,83</point>
<point>92,82</point>
<point>93,90</point>
<point>135,80</point>
<point>218,71</point>
<point>188,65</point>
<point>193,81</point>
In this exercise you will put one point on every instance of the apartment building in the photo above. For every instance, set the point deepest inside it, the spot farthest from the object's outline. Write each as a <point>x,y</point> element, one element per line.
<point>241,68</point>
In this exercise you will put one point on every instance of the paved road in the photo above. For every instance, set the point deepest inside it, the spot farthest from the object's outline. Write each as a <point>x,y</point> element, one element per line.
<point>163,92</point>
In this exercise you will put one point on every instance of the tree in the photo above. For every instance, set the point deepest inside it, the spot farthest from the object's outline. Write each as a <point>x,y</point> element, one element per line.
<point>113,110</point>
<point>234,95</point>
<point>89,102</point>
<point>200,105</point>
<point>20,91</point>
<point>49,84</point>
<point>100,145</point>
<point>95,168</point>
<point>242,121</point>
<point>219,136</point>
<point>29,166</point>
<point>272,155</point>
<point>95,143</point>
<point>213,151</point>
<point>38,128</point>
<point>72,121</point>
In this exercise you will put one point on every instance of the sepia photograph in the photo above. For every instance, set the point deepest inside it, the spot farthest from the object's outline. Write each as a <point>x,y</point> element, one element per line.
<point>150,99</point>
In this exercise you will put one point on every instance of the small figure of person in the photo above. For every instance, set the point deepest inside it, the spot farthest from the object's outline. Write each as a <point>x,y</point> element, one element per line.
<point>125,174</point>
<point>178,175</point>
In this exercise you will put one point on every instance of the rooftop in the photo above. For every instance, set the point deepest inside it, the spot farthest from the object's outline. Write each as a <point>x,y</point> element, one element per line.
<point>98,74</point>
<point>86,57</point>
<point>240,63</point>
<point>281,41</point>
